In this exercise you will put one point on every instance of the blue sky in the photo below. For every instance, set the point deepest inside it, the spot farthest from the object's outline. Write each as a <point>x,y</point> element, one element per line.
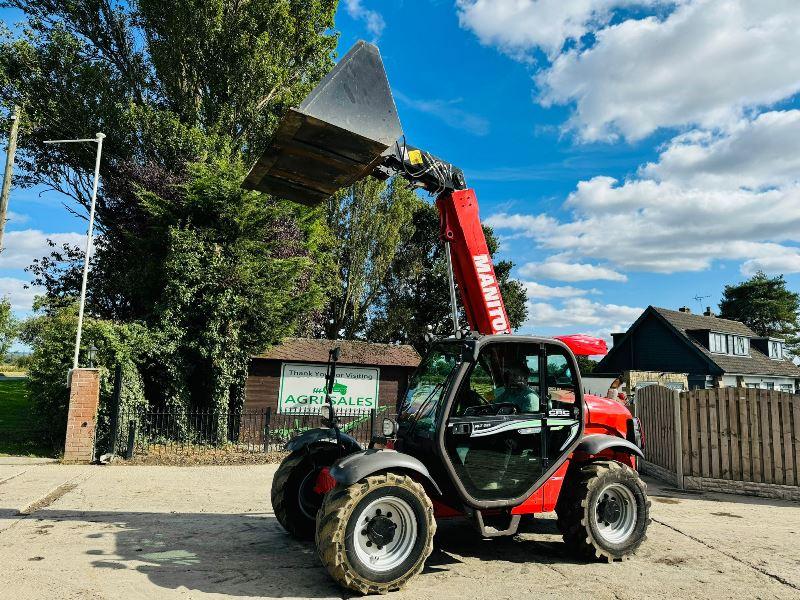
<point>626,152</point>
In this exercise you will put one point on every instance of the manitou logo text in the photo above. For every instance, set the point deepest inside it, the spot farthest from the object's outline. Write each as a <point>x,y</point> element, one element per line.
<point>491,293</point>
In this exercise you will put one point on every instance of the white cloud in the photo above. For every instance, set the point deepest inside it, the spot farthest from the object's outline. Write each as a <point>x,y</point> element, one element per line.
<point>517,26</point>
<point>538,290</point>
<point>449,112</point>
<point>14,289</point>
<point>563,271</point>
<point>581,315</point>
<point>22,247</point>
<point>703,200</point>
<point>372,19</point>
<point>16,218</point>
<point>754,153</point>
<point>706,64</point>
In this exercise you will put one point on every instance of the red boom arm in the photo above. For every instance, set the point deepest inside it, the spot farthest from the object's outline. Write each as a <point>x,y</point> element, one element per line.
<point>472,265</point>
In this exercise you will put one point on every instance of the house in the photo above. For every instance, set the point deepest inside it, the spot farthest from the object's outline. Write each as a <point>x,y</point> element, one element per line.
<point>711,351</point>
<point>290,377</point>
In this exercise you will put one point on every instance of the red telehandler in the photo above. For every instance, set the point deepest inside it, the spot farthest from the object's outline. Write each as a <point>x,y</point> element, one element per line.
<point>493,426</point>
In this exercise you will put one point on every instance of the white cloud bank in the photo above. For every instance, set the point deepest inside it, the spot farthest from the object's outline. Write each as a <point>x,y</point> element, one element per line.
<point>22,247</point>
<point>372,19</point>
<point>702,201</point>
<point>15,290</point>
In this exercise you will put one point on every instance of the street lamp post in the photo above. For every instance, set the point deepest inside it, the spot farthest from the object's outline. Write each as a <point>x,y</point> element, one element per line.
<point>99,140</point>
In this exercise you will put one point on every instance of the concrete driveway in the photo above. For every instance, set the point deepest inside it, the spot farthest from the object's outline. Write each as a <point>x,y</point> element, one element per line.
<point>209,532</point>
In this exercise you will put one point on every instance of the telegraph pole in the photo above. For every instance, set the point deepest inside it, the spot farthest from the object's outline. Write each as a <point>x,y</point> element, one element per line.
<point>12,149</point>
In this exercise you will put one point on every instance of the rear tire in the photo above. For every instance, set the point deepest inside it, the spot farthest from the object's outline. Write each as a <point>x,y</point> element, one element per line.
<point>389,509</point>
<point>293,500</point>
<point>603,511</point>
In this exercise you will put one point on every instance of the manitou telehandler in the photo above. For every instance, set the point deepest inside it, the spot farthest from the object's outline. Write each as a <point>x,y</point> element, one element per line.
<point>493,426</point>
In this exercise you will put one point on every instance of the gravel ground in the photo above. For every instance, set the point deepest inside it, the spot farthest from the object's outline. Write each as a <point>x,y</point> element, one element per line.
<point>209,532</point>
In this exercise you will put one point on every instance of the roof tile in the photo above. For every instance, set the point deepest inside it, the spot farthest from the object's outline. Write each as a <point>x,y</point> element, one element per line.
<point>353,352</point>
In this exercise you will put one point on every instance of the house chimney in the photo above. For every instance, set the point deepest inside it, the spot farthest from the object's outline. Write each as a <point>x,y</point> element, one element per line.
<point>708,312</point>
<point>685,309</point>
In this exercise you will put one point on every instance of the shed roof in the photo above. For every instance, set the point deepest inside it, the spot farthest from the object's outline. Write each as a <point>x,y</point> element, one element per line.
<point>353,352</point>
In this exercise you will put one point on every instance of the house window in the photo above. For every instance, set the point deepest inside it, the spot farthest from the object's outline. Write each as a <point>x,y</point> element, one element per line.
<point>719,343</point>
<point>753,386</point>
<point>770,385</point>
<point>775,349</point>
<point>741,345</point>
<point>787,387</point>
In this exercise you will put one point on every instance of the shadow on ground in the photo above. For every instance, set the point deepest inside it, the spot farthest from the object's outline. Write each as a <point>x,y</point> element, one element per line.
<point>250,554</point>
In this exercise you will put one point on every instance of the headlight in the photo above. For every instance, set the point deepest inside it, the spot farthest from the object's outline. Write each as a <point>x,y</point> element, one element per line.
<point>389,428</point>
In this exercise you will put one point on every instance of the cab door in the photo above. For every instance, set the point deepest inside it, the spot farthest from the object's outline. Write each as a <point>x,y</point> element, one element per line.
<point>515,415</point>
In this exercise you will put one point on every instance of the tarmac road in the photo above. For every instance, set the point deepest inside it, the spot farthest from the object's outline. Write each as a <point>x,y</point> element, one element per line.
<point>209,532</point>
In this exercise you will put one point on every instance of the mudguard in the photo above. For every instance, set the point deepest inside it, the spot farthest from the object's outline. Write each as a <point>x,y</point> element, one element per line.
<point>357,466</point>
<point>322,435</point>
<point>597,442</point>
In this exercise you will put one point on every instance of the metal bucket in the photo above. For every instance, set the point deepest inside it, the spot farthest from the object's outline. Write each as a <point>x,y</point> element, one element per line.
<point>335,137</point>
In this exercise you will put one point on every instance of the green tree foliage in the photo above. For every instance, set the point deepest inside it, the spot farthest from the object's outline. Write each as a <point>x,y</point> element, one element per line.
<point>9,327</point>
<point>766,306</point>
<point>415,291</point>
<point>586,364</point>
<point>51,335</point>
<point>368,221</point>
<point>239,274</point>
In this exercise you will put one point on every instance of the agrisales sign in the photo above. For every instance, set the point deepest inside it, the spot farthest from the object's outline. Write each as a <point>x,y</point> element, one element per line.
<point>302,388</point>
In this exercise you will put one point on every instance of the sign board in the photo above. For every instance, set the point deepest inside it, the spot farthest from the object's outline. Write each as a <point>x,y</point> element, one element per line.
<point>302,389</point>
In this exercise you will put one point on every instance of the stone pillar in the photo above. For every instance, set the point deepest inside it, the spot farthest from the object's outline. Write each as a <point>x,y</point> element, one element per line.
<point>84,396</point>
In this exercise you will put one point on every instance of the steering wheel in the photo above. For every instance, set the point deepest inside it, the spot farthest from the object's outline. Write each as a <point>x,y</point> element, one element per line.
<point>497,408</point>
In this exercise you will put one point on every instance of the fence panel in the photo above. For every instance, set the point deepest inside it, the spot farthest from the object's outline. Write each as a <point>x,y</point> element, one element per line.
<point>655,407</point>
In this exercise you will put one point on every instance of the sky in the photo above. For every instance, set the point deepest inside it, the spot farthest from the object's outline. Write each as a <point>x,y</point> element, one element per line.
<point>627,153</point>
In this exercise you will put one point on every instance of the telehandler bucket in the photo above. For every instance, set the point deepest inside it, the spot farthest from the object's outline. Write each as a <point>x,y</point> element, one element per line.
<point>335,137</point>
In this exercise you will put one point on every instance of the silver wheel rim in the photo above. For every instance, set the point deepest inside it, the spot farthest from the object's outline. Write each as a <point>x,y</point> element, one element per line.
<point>615,510</point>
<point>390,556</point>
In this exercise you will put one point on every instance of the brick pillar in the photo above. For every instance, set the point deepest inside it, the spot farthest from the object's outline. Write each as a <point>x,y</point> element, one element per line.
<point>84,396</point>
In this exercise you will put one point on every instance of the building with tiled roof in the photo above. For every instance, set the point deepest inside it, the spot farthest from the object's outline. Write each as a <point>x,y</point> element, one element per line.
<point>713,352</point>
<point>288,377</point>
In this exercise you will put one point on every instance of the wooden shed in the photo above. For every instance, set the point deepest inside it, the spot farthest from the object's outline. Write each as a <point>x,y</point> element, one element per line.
<point>268,371</point>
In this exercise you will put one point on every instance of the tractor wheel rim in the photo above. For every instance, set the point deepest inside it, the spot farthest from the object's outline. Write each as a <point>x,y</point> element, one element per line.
<point>615,510</point>
<point>308,500</point>
<point>394,518</point>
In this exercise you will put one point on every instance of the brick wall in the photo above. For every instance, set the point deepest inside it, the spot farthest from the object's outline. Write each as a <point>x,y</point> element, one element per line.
<point>84,396</point>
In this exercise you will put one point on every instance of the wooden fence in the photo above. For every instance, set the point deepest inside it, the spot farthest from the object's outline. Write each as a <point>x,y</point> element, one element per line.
<point>748,436</point>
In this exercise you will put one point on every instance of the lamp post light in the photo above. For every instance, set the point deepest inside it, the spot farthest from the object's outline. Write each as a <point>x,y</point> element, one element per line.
<point>99,140</point>
<point>92,355</point>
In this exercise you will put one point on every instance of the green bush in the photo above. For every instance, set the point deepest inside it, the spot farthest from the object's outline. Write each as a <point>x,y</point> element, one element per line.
<point>51,335</point>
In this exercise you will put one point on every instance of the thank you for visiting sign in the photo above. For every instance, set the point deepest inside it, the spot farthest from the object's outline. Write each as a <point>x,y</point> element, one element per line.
<point>302,388</point>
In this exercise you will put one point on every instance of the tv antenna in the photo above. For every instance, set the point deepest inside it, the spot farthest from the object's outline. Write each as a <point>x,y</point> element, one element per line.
<point>699,299</point>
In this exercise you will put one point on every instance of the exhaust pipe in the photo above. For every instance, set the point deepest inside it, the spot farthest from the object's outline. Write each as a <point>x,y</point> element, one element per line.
<point>335,137</point>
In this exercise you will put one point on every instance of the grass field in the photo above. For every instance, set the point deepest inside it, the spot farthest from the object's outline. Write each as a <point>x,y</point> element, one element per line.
<point>18,427</point>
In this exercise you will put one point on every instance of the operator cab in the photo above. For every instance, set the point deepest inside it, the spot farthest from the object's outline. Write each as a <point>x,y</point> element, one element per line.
<point>496,413</point>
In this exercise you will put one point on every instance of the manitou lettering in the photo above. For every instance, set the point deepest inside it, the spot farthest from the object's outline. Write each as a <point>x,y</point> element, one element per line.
<point>491,293</point>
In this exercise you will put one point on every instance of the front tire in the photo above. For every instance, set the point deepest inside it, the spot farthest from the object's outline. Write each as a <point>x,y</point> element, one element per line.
<point>374,536</point>
<point>293,499</point>
<point>603,512</point>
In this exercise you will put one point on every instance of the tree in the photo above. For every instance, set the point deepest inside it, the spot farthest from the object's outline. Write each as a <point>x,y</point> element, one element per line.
<point>188,95</point>
<point>368,221</point>
<point>9,327</point>
<point>239,274</point>
<point>765,305</point>
<point>415,291</point>
<point>586,364</point>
